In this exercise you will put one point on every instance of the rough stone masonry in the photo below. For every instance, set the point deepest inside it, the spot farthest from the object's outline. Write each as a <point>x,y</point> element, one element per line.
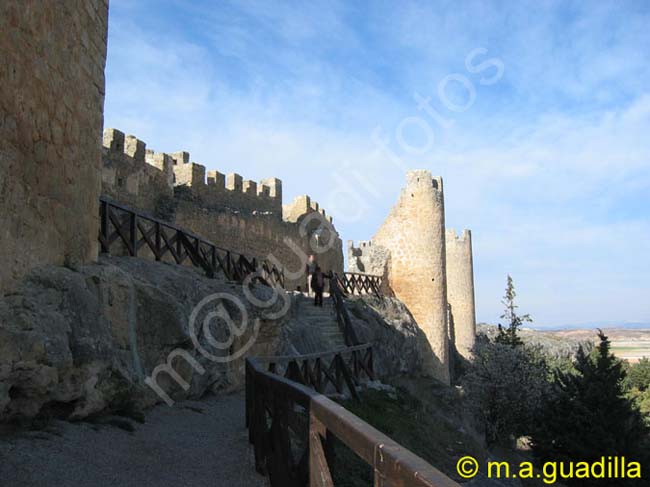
<point>233,212</point>
<point>428,268</point>
<point>51,174</point>
<point>51,116</point>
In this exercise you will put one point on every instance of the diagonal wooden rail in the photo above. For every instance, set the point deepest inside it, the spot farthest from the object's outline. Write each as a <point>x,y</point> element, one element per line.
<point>326,370</point>
<point>135,230</point>
<point>342,315</point>
<point>357,283</point>
<point>292,428</point>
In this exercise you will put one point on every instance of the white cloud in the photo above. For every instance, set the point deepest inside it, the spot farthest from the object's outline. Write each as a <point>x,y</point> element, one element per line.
<point>552,192</point>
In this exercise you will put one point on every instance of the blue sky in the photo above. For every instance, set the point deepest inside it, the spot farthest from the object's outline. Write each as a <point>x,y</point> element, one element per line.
<point>537,115</point>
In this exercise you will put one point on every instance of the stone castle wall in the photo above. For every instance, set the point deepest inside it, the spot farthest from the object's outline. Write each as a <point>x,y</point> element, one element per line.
<point>414,234</point>
<point>262,236</point>
<point>460,291</point>
<point>128,179</point>
<point>429,268</point>
<point>367,258</point>
<point>233,213</point>
<point>51,116</point>
<point>133,174</point>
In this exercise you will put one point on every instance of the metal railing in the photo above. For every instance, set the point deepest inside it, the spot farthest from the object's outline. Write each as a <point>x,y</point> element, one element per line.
<point>136,230</point>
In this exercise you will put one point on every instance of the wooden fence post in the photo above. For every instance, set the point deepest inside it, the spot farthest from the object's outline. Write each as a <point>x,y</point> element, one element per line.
<point>319,472</point>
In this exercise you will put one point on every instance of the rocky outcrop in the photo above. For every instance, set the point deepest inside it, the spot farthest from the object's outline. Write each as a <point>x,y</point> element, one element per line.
<point>399,343</point>
<point>311,329</point>
<point>74,343</point>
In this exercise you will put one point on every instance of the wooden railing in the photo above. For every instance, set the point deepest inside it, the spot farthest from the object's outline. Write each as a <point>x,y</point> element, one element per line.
<point>328,371</point>
<point>135,230</point>
<point>342,315</point>
<point>292,428</point>
<point>356,283</point>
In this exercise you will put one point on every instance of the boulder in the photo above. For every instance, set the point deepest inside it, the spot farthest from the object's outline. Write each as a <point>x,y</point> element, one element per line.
<point>123,334</point>
<point>399,343</point>
<point>74,343</point>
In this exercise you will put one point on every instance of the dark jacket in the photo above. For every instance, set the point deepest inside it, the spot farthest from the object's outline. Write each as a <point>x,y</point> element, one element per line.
<point>318,281</point>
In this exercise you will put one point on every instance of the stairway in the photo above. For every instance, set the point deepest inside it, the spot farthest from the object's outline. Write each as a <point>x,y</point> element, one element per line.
<point>323,320</point>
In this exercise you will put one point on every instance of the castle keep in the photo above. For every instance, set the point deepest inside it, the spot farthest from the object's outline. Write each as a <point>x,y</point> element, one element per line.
<point>426,267</point>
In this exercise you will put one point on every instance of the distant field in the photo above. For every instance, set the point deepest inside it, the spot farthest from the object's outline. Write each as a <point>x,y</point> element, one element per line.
<point>631,353</point>
<point>627,343</point>
<point>630,345</point>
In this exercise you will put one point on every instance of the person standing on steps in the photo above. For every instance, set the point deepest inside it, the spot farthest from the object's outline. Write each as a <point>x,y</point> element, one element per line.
<point>318,285</point>
<point>310,268</point>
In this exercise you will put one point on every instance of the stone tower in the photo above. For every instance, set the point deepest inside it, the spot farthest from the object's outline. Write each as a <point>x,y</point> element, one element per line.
<point>460,291</point>
<point>51,117</point>
<point>414,234</point>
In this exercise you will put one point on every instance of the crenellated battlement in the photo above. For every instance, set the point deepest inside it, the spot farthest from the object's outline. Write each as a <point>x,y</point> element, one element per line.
<point>231,190</point>
<point>212,188</point>
<point>423,178</point>
<point>358,249</point>
<point>132,174</point>
<point>163,162</point>
<point>451,236</point>
<point>181,157</point>
<point>303,205</point>
<point>367,257</point>
<point>235,212</point>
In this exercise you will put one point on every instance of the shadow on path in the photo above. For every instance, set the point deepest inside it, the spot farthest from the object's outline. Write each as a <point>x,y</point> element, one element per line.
<point>198,443</point>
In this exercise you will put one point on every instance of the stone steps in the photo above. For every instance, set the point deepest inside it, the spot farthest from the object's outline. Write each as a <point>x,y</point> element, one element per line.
<point>322,319</point>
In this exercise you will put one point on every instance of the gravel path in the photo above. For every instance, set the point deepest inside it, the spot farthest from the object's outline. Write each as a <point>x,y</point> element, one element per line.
<point>195,443</point>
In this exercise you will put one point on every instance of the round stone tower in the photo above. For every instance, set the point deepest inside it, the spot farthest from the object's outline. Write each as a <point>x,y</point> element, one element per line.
<point>460,291</point>
<point>414,233</point>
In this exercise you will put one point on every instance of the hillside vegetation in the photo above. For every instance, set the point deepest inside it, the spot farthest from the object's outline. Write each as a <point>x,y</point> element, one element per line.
<point>554,345</point>
<point>525,395</point>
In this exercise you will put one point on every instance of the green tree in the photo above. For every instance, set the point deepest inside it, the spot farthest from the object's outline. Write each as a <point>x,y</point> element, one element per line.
<point>509,335</point>
<point>590,417</point>
<point>638,375</point>
<point>642,401</point>
<point>506,387</point>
